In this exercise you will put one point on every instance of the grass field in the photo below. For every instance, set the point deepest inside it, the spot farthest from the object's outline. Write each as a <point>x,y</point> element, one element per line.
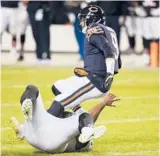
<point>132,126</point>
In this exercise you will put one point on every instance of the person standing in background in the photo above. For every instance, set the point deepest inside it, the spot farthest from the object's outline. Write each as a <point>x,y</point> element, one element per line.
<point>23,22</point>
<point>73,8</point>
<point>38,12</point>
<point>58,13</point>
<point>131,24</point>
<point>9,21</point>
<point>149,12</point>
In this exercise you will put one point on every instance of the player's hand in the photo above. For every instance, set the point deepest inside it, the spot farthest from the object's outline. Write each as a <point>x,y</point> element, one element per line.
<point>109,99</point>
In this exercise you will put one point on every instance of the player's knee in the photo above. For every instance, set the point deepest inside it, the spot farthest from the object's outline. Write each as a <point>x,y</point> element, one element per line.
<point>30,92</point>
<point>59,98</point>
<point>56,109</point>
<point>55,90</point>
<point>33,89</point>
<point>85,120</point>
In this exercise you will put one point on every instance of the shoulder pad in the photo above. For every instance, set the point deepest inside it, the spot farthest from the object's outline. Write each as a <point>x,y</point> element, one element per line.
<point>94,30</point>
<point>111,30</point>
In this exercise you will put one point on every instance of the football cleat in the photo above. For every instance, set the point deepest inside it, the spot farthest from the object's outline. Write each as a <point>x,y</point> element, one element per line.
<point>90,133</point>
<point>27,109</point>
<point>99,131</point>
<point>17,127</point>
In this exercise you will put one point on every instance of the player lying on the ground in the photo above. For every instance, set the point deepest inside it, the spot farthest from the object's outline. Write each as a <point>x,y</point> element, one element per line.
<point>51,134</point>
<point>101,63</point>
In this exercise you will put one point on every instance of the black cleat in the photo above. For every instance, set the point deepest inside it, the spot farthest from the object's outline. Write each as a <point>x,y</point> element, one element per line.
<point>20,58</point>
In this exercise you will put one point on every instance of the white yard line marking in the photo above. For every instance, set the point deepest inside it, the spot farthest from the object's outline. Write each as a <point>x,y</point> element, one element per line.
<point>110,121</point>
<point>135,153</point>
<point>18,104</point>
<point>5,128</point>
<point>11,72</point>
<point>139,97</point>
<point>121,97</point>
<point>127,120</point>
<point>9,105</point>
<point>24,86</point>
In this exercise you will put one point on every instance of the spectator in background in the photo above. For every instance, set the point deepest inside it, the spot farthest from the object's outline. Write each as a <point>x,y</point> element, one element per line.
<point>149,12</point>
<point>23,22</point>
<point>73,8</point>
<point>9,21</point>
<point>132,25</point>
<point>58,13</point>
<point>38,12</point>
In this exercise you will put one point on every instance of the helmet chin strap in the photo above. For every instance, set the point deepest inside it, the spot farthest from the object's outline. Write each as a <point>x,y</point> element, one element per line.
<point>98,21</point>
<point>84,30</point>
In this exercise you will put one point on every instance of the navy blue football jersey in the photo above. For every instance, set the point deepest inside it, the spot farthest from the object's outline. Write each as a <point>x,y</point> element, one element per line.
<point>100,43</point>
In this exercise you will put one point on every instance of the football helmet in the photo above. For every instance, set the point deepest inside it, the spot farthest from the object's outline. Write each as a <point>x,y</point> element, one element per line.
<point>90,15</point>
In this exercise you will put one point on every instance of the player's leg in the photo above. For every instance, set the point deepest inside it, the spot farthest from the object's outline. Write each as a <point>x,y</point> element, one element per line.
<point>4,19</point>
<point>65,88</point>
<point>62,86</point>
<point>18,128</point>
<point>83,90</point>
<point>23,23</point>
<point>13,27</point>
<point>130,24</point>
<point>27,100</point>
<point>31,105</point>
<point>72,99</point>
<point>21,52</point>
<point>87,132</point>
<point>37,120</point>
<point>24,130</point>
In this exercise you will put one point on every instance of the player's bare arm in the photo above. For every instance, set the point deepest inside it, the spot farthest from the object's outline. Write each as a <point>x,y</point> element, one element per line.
<point>108,100</point>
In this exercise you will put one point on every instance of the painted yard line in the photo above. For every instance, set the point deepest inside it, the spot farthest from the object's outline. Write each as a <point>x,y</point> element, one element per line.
<point>121,97</point>
<point>18,104</point>
<point>24,86</point>
<point>128,81</point>
<point>135,153</point>
<point>5,128</point>
<point>110,121</point>
<point>18,71</point>
<point>128,120</point>
<point>139,97</point>
<point>134,81</point>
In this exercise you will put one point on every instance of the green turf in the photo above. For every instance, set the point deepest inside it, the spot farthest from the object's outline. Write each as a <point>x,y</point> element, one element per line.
<point>132,125</point>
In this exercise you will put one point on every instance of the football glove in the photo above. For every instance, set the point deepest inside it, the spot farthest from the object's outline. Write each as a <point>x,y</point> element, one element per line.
<point>108,81</point>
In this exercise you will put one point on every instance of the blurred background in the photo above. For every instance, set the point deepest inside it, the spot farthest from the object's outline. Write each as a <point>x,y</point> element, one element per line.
<point>46,32</point>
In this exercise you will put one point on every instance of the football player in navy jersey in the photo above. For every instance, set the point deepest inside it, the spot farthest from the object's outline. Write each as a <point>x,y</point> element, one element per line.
<point>101,63</point>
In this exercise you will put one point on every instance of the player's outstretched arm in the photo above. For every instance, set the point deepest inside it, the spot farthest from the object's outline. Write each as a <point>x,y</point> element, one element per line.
<point>107,101</point>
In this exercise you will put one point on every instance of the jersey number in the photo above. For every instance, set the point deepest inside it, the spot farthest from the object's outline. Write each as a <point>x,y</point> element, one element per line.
<point>115,44</point>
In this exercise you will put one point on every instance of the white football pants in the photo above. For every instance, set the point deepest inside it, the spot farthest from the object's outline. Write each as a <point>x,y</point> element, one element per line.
<point>49,133</point>
<point>134,26</point>
<point>23,20</point>
<point>151,28</point>
<point>9,19</point>
<point>75,90</point>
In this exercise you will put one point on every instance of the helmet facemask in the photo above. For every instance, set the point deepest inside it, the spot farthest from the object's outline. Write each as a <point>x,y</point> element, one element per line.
<point>82,22</point>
